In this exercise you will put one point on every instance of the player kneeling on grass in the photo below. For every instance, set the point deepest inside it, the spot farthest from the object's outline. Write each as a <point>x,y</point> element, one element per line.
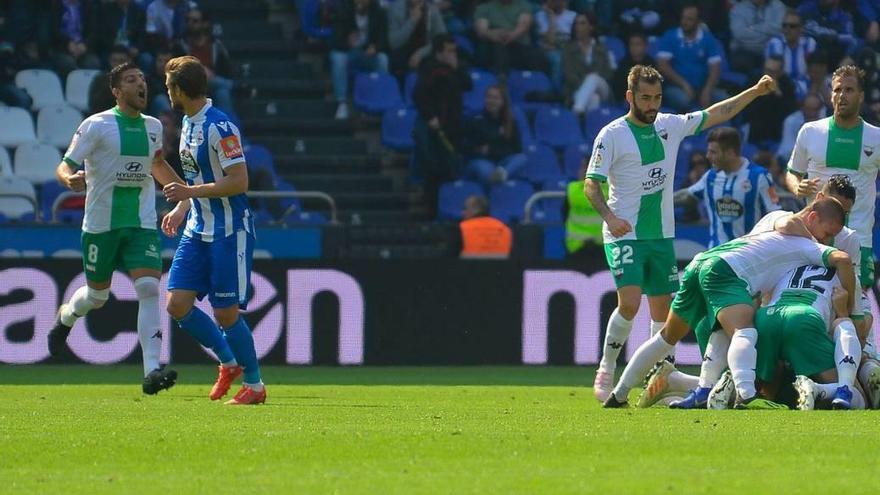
<point>114,156</point>
<point>215,254</point>
<point>721,283</point>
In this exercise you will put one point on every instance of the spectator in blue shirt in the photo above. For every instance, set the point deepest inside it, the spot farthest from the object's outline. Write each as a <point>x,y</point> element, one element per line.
<point>795,49</point>
<point>689,59</point>
<point>832,27</point>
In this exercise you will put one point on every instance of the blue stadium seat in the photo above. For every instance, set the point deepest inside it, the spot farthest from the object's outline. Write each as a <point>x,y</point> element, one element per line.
<point>508,199</point>
<point>376,92</point>
<point>474,99</point>
<point>465,44</point>
<point>547,211</point>
<point>596,119</point>
<point>306,217</point>
<point>397,128</point>
<point>309,21</point>
<point>288,203</point>
<point>557,127</point>
<point>572,158</point>
<point>49,192</point>
<point>526,137</point>
<point>260,158</point>
<point>409,85</point>
<point>451,196</point>
<point>556,184</point>
<point>522,82</point>
<point>542,165</point>
<point>614,45</point>
<point>727,75</point>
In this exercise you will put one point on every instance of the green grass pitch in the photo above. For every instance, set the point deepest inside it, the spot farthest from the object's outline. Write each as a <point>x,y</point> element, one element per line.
<point>85,429</point>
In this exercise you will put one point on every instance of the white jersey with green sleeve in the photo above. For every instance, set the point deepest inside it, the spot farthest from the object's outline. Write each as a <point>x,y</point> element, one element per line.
<point>811,285</point>
<point>639,164</point>
<point>822,150</point>
<point>760,260</point>
<point>117,153</point>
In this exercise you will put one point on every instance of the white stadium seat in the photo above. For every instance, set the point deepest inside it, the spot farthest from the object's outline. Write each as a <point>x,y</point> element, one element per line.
<point>56,125</point>
<point>77,89</point>
<point>36,162</point>
<point>16,127</point>
<point>42,85</point>
<point>5,162</point>
<point>12,207</point>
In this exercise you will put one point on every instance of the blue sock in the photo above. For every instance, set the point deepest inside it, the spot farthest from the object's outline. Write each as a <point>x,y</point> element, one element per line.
<point>242,343</point>
<point>205,331</point>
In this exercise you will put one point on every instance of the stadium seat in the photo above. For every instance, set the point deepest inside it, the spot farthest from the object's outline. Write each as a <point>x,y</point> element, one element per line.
<point>474,100</point>
<point>36,162</point>
<point>572,158</point>
<point>526,137</point>
<point>43,86</point>
<point>49,192</point>
<point>465,44</point>
<point>521,83</point>
<point>557,127</point>
<point>5,162</point>
<point>614,45</point>
<point>15,207</point>
<point>595,120</point>
<point>289,204</point>
<point>547,210</point>
<point>451,196</point>
<point>309,21</point>
<point>77,88</point>
<point>376,92</point>
<point>56,125</point>
<point>306,217</point>
<point>409,85</point>
<point>397,128</point>
<point>16,127</point>
<point>260,158</point>
<point>507,200</point>
<point>542,165</point>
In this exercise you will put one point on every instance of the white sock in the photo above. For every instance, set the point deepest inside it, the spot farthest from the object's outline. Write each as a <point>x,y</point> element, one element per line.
<point>615,336</point>
<point>646,356</point>
<point>742,358</point>
<point>847,353</point>
<point>229,364</point>
<point>682,382</point>
<point>715,359</point>
<point>148,324</point>
<point>656,326</point>
<point>83,301</point>
<point>258,387</point>
<point>827,390</point>
<point>858,401</point>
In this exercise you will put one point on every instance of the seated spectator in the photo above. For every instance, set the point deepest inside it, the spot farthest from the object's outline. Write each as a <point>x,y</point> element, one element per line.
<point>636,54</point>
<point>795,49</point>
<point>811,109</point>
<point>157,93</point>
<point>123,24</point>
<point>438,97</point>
<point>688,58</point>
<point>412,24</point>
<point>483,236</point>
<point>830,25</point>
<point>642,16</point>
<point>100,96</point>
<point>752,24</point>
<point>166,22</point>
<point>503,29</point>
<point>555,22</point>
<point>201,44</point>
<point>29,56</point>
<point>819,77</point>
<point>360,41</point>
<point>11,94</point>
<point>698,164</point>
<point>74,27</point>
<point>493,141</point>
<point>868,21</point>
<point>765,115</point>
<point>588,66</point>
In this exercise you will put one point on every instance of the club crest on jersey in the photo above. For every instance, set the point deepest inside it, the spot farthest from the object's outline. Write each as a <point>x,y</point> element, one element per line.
<point>231,147</point>
<point>196,137</point>
<point>188,164</point>
<point>869,150</point>
<point>746,185</point>
<point>662,133</point>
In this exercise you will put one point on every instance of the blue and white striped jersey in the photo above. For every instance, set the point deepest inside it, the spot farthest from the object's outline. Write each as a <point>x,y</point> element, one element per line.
<point>209,144</point>
<point>735,201</point>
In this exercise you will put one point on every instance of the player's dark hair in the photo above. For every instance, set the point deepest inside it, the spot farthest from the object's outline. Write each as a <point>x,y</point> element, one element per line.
<point>187,74</point>
<point>480,205</point>
<point>840,185</point>
<point>726,137</point>
<point>642,73</point>
<point>850,71</point>
<point>829,209</point>
<point>439,42</point>
<point>116,73</point>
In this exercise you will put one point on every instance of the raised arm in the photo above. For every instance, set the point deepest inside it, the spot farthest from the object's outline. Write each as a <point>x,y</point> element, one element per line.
<point>727,109</point>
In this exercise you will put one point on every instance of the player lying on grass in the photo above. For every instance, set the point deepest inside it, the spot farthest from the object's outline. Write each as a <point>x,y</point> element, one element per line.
<point>714,345</point>
<point>721,282</point>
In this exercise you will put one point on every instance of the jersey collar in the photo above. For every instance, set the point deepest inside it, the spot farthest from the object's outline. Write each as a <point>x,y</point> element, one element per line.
<point>200,115</point>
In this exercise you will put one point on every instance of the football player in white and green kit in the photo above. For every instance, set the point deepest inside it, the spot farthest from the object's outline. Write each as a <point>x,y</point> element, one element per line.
<point>114,156</point>
<point>636,155</point>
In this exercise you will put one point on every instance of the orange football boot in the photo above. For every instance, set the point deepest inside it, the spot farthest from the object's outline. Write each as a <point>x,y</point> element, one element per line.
<point>248,396</point>
<point>224,380</point>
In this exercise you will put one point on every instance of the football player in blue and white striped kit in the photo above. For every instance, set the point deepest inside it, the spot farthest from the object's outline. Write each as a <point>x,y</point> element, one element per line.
<point>735,192</point>
<point>215,254</point>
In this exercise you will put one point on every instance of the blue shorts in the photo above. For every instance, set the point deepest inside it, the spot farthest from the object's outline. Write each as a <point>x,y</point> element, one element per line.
<point>220,269</point>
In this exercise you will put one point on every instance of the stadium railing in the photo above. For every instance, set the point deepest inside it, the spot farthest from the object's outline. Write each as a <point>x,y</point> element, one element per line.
<point>539,196</point>
<point>29,199</point>
<point>319,195</point>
